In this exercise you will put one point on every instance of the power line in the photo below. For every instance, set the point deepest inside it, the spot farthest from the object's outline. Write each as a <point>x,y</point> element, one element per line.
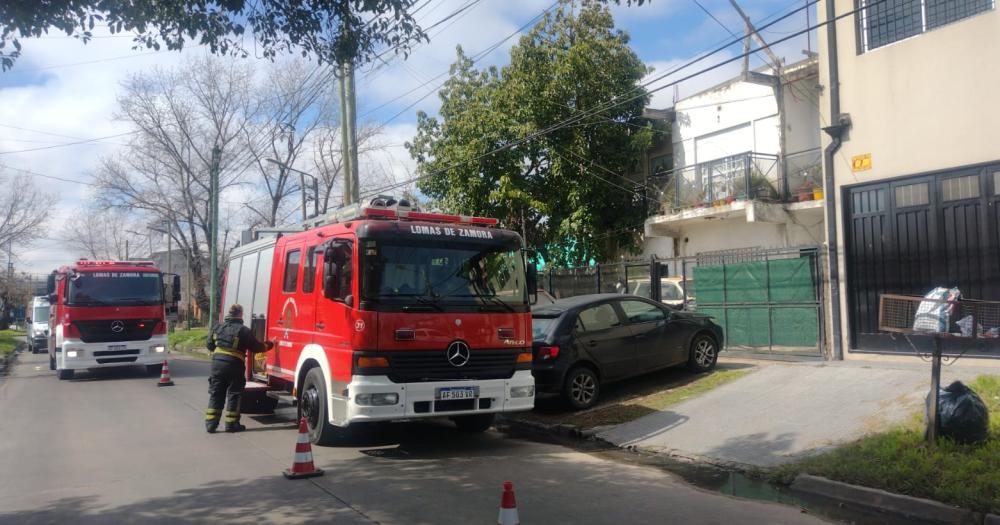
<point>73,64</point>
<point>87,141</point>
<point>53,177</point>
<point>717,21</point>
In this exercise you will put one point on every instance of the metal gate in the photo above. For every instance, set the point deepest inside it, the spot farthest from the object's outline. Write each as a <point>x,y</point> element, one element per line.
<point>909,235</point>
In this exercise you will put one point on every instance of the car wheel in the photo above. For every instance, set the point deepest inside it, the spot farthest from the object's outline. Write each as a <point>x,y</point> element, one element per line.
<point>581,388</point>
<point>52,363</point>
<point>704,354</point>
<point>154,370</point>
<point>312,406</point>
<point>65,374</point>
<point>474,424</point>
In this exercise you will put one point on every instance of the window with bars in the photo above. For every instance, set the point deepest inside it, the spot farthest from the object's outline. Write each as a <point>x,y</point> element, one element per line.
<point>886,21</point>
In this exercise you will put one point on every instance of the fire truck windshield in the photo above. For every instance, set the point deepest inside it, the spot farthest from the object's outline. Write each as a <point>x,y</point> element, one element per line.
<point>452,276</point>
<point>114,288</point>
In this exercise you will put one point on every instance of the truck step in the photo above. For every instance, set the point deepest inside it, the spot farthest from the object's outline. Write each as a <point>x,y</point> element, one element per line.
<point>282,396</point>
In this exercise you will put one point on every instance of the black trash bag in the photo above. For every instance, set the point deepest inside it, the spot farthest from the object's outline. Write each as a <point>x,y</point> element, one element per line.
<point>962,415</point>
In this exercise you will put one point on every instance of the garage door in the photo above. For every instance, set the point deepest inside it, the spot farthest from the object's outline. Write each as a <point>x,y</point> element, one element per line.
<point>909,235</point>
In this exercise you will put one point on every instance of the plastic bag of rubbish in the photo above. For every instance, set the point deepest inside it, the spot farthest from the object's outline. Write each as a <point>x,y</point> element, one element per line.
<point>962,415</point>
<point>934,315</point>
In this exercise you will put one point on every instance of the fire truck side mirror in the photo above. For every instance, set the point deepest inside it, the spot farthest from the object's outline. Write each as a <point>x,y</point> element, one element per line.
<point>331,281</point>
<point>532,282</point>
<point>50,284</point>
<point>176,292</point>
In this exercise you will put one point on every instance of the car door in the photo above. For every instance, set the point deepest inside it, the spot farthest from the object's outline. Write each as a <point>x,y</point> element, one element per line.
<point>648,324</point>
<point>601,333</point>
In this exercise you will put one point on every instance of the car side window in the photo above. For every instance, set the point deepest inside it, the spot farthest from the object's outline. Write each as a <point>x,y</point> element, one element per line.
<point>671,292</point>
<point>640,312</point>
<point>600,317</point>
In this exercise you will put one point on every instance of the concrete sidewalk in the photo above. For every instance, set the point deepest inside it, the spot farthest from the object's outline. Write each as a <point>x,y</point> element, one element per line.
<point>783,411</point>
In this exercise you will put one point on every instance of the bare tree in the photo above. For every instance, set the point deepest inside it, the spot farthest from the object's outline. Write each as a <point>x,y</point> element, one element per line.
<point>328,161</point>
<point>181,115</point>
<point>102,233</point>
<point>293,102</point>
<point>24,210</point>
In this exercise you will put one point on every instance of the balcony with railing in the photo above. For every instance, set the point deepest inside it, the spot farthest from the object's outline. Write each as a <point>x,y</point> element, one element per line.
<point>726,185</point>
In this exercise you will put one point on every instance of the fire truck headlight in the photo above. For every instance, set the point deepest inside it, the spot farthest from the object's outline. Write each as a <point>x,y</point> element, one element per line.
<point>158,349</point>
<point>71,353</point>
<point>377,400</point>
<point>522,391</point>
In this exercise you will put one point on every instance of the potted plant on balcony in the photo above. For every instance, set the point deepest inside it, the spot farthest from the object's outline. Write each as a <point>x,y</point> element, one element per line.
<point>761,187</point>
<point>806,191</point>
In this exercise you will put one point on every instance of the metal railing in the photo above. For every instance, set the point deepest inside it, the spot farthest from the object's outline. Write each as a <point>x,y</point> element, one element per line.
<point>746,176</point>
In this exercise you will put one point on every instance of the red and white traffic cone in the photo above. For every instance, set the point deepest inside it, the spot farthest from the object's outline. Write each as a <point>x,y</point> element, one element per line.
<point>302,466</point>
<point>165,375</point>
<point>508,506</point>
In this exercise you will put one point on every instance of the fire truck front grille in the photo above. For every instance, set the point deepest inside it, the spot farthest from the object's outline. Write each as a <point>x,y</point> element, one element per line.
<point>114,330</point>
<point>433,365</point>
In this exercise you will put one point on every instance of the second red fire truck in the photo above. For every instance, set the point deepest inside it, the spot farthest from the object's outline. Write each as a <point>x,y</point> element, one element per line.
<point>384,312</point>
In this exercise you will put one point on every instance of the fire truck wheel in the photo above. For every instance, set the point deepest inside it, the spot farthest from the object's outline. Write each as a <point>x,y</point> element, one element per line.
<point>312,406</point>
<point>474,424</point>
<point>154,370</point>
<point>65,374</point>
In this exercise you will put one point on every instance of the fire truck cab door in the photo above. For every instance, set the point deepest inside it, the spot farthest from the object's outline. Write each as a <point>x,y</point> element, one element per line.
<point>297,314</point>
<point>334,319</point>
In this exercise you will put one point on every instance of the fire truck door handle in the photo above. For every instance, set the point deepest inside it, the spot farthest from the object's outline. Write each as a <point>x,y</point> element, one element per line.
<point>320,325</point>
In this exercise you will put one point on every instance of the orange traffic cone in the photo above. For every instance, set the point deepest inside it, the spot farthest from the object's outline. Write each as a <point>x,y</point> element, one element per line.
<point>302,466</point>
<point>165,375</point>
<point>508,506</point>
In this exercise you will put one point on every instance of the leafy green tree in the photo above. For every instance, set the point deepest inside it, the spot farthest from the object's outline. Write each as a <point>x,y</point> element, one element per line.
<point>566,190</point>
<point>328,30</point>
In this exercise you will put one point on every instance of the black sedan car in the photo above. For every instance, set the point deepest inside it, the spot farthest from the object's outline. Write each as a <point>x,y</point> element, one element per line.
<point>581,343</point>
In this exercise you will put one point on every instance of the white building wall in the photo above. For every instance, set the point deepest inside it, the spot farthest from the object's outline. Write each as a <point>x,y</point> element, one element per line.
<point>723,122</point>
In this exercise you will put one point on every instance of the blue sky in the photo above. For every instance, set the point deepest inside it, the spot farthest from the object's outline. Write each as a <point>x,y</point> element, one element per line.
<point>62,91</point>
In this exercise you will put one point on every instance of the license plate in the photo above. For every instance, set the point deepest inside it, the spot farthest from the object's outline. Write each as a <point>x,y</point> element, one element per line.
<point>458,392</point>
<point>117,348</point>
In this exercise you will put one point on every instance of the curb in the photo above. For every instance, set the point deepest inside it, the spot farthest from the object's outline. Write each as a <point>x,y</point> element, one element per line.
<point>907,507</point>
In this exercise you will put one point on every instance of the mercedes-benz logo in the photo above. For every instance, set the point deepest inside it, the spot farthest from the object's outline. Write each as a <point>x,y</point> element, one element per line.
<point>117,327</point>
<point>457,354</point>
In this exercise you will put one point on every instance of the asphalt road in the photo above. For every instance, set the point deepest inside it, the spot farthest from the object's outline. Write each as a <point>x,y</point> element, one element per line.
<point>111,447</point>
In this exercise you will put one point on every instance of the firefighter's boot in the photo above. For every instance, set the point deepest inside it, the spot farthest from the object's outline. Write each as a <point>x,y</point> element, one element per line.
<point>211,420</point>
<point>233,422</point>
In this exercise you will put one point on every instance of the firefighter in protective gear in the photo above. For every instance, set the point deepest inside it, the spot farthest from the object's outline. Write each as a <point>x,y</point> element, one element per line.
<point>229,344</point>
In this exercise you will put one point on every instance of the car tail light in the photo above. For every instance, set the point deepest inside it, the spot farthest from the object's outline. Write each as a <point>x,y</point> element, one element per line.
<point>548,352</point>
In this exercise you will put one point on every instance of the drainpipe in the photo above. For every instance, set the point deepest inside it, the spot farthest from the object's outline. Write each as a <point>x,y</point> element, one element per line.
<point>836,131</point>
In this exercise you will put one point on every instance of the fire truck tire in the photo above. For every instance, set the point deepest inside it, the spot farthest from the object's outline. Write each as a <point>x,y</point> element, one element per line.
<point>154,370</point>
<point>65,374</point>
<point>52,363</point>
<point>312,406</point>
<point>474,424</point>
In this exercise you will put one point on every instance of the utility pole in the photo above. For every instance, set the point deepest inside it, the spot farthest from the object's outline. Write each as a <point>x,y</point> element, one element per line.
<point>348,132</point>
<point>214,238</point>
<point>170,269</point>
<point>126,249</point>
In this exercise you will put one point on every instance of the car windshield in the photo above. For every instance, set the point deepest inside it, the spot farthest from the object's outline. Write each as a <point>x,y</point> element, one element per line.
<point>40,314</point>
<point>115,288</point>
<point>437,275</point>
<point>541,326</point>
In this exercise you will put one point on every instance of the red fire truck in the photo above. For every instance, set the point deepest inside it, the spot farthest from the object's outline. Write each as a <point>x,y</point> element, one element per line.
<point>108,313</point>
<point>384,312</point>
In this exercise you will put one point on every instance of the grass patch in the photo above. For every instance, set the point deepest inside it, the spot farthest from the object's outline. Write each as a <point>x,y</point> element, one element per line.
<point>637,407</point>
<point>899,461</point>
<point>186,341</point>
<point>9,339</point>
<point>632,399</point>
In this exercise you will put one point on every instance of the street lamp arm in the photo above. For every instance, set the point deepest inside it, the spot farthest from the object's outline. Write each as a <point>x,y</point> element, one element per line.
<point>289,168</point>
